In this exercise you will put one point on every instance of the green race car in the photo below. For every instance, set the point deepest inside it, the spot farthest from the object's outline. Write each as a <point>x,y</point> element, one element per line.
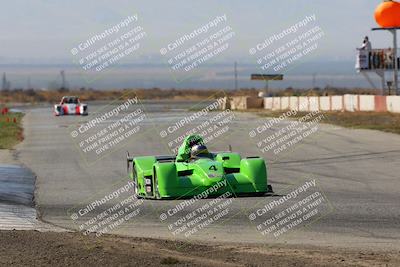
<point>195,171</point>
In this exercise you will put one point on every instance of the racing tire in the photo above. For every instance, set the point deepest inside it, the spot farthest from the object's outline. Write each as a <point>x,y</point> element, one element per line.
<point>269,189</point>
<point>135,181</point>
<point>156,192</point>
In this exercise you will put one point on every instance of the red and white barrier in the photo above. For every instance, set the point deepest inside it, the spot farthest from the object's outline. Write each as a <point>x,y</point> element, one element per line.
<point>276,103</point>
<point>268,103</point>
<point>367,102</point>
<point>313,103</point>
<point>285,103</point>
<point>303,103</point>
<point>380,103</point>
<point>393,103</point>
<point>325,103</point>
<point>294,102</point>
<point>337,103</point>
<point>349,103</point>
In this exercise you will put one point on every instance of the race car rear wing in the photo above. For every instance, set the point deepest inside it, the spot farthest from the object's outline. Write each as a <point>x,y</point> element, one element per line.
<point>129,159</point>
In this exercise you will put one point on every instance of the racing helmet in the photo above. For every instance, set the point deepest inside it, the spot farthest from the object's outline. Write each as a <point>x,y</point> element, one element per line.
<point>199,151</point>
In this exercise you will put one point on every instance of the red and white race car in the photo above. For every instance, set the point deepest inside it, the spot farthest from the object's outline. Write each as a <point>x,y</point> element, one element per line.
<point>70,105</point>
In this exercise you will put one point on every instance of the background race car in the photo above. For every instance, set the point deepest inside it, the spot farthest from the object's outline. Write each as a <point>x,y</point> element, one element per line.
<point>195,170</point>
<point>70,105</point>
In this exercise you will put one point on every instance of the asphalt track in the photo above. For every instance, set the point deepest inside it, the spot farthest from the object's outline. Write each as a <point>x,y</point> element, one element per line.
<point>358,171</point>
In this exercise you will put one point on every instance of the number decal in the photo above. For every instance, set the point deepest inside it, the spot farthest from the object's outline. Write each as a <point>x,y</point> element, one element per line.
<point>213,168</point>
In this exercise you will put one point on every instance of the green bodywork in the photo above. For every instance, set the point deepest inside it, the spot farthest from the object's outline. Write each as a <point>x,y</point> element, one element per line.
<point>180,176</point>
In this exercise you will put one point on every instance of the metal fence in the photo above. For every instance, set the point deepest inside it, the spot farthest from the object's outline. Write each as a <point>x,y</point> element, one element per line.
<point>377,59</point>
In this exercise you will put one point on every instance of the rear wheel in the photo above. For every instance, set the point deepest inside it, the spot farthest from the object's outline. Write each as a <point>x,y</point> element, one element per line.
<point>135,181</point>
<point>156,192</point>
<point>269,189</point>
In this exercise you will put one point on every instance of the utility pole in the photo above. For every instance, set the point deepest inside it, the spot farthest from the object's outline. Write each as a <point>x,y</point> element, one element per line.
<point>314,80</point>
<point>396,66</point>
<point>395,87</point>
<point>236,76</point>
<point>63,82</point>
<point>3,82</point>
<point>28,83</point>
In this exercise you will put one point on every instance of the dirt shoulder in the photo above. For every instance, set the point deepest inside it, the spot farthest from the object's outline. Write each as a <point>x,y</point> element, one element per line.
<point>74,249</point>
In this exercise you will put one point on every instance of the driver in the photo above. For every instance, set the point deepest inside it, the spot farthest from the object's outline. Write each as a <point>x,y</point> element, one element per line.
<point>199,151</point>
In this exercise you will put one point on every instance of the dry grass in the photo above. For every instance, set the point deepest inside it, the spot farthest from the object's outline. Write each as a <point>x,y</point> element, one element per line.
<point>382,121</point>
<point>10,131</point>
<point>37,96</point>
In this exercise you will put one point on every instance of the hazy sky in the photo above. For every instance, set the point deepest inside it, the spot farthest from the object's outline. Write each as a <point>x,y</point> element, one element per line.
<point>46,30</point>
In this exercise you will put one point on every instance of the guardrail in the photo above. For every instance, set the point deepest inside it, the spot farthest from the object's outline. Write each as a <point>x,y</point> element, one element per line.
<point>376,59</point>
